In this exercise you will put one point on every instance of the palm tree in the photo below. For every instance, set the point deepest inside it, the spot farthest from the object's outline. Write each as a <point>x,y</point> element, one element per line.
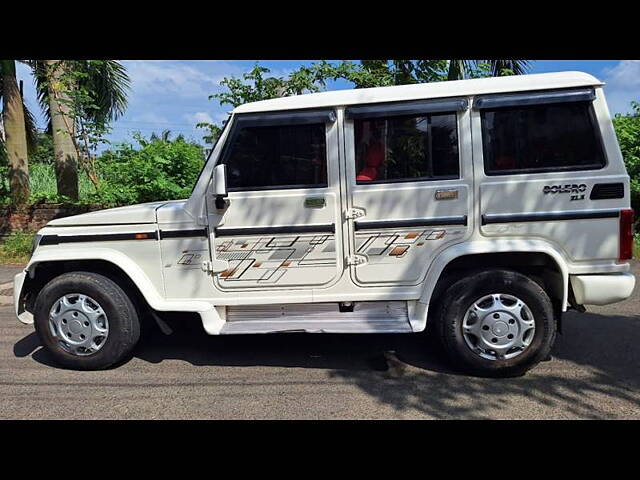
<point>165,136</point>
<point>106,82</point>
<point>458,68</point>
<point>19,133</point>
<point>378,73</point>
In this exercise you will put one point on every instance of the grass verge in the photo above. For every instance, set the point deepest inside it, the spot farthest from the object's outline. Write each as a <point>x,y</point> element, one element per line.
<point>16,248</point>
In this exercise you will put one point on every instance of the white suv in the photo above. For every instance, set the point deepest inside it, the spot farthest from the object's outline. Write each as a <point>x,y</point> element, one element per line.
<point>483,208</point>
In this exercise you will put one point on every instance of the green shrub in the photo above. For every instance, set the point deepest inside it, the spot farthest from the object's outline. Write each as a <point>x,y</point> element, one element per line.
<point>4,185</point>
<point>628,132</point>
<point>155,169</point>
<point>43,152</point>
<point>16,248</point>
<point>159,169</point>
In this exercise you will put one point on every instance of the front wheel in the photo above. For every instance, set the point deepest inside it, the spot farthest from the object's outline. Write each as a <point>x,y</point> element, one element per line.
<point>86,321</point>
<point>496,323</point>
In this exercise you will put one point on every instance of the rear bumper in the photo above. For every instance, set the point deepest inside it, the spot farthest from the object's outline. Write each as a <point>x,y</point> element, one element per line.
<point>602,289</point>
<point>24,316</point>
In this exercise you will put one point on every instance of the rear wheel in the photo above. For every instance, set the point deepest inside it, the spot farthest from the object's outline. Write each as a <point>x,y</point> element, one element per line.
<point>496,323</point>
<point>86,321</point>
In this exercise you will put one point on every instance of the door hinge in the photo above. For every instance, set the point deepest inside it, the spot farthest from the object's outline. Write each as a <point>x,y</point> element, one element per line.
<point>356,260</point>
<point>207,266</point>
<point>354,213</point>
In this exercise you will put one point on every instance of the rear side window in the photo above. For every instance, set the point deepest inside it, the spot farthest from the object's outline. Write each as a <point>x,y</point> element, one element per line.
<point>407,148</point>
<point>277,157</point>
<point>541,138</point>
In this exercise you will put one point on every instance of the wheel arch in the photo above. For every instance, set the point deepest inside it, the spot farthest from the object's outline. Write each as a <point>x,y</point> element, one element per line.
<point>538,259</point>
<point>46,265</point>
<point>44,272</point>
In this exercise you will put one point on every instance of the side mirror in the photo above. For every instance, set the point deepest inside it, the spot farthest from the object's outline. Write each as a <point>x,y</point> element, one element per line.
<point>220,185</point>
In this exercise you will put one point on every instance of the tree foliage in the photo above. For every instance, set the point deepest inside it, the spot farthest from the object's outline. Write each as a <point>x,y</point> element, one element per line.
<point>147,169</point>
<point>105,81</point>
<point>85,95</point>
<point>628,132</point>
<point>257,85</point>
<point>43,151</point>
<point>155,169</point>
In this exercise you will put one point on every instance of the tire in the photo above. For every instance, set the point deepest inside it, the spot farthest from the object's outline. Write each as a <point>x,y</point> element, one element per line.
<point>461,307</point>
<point>115,314</point>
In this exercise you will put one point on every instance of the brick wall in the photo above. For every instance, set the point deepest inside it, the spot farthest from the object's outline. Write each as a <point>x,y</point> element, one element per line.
<point>38,216</point>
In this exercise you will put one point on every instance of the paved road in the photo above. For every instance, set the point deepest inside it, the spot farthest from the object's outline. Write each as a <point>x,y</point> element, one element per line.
<point>595,373</point>
<point>6,284</point>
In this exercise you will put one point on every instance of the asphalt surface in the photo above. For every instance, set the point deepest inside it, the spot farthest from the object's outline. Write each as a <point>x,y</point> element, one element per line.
<point>594,373</point>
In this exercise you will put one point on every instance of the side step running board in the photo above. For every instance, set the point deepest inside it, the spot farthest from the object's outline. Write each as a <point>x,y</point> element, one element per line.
<point>367,317</point>
<point>326,326</point>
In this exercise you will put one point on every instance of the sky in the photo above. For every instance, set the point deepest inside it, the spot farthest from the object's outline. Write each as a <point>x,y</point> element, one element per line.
<point>173,95</point>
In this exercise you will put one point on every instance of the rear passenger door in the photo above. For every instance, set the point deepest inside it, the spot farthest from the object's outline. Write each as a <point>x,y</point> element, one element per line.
<point>548,166</point>
<point>408,176</point>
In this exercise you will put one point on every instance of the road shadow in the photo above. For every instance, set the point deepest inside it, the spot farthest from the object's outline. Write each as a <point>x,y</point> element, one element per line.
<point>31,346</point>
<point>596,360</point>
<point>296,350</point>
<point>26,346</point>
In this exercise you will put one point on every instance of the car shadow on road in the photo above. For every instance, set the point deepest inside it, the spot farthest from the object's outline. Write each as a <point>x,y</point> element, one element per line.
<point>349,352</point>
<point>593,374</point>
<point>595,363</point>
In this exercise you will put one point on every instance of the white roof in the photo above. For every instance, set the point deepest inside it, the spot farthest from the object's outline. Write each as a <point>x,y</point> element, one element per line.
<point>457,88</point>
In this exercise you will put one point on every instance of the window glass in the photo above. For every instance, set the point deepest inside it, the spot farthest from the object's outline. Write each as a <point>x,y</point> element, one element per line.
<point>540,138</point>
<point>278,157</point>
<point>406,148</point>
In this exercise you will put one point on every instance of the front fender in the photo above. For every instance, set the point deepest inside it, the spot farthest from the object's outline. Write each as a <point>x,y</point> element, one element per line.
<point>150,293</point>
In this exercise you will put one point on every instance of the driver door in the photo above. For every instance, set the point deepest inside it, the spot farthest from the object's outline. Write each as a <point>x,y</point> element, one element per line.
<point>279,225</point>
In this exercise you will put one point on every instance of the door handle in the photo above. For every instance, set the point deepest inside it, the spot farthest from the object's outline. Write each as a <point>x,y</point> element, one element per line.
<point>448,194</point>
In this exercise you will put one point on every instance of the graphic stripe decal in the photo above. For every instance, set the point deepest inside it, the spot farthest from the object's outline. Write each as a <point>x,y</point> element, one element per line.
<point>226,232</point>
<point>112,237</point>
<point>183,233</point>
<point>548,217</point>
<point>106,237</point>
<point>418,222</point>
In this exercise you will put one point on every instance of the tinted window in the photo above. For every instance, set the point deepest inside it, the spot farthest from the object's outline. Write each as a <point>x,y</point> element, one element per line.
<point>406,148</point>
<point>278,157</point>
<point>541,138</point>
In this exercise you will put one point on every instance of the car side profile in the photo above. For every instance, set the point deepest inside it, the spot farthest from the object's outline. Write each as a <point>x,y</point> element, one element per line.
<point>480,209</point>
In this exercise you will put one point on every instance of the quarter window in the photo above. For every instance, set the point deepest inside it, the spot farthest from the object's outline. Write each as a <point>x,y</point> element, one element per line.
<point>408,148</point>
<point>541,138</point>
<point>278,157</point>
